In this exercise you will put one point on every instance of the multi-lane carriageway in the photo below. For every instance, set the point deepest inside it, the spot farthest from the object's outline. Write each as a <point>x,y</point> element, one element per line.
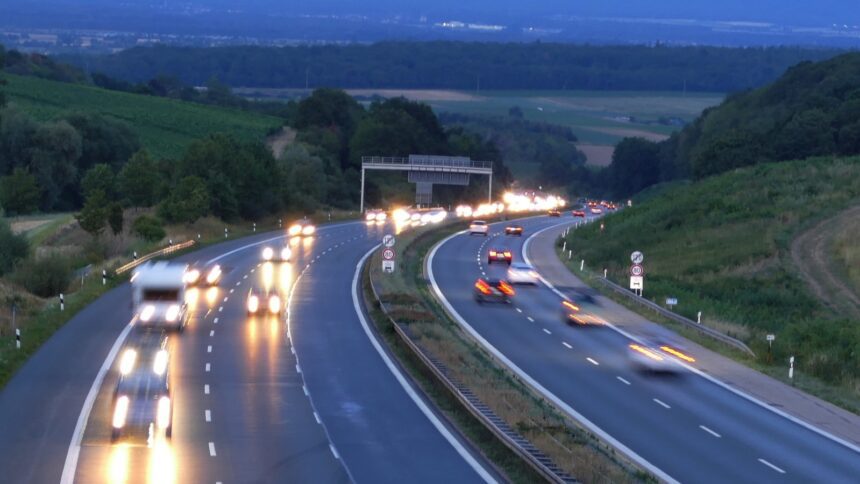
<point>684,428</point>
<point>313,397</point>
<point>308,398</point>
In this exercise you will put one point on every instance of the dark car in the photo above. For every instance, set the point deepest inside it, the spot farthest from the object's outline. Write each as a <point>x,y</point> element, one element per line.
<point>499,255</point>
<point>514,230</point>
<point>554,213</point>
<point>578,213</point>
<point>493,290</point>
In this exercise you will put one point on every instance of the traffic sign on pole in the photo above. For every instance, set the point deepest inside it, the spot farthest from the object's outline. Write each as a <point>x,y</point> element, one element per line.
<point>388,254</point>
<point>637,270</point>
<point>388,240</point>
<point>637,257</point>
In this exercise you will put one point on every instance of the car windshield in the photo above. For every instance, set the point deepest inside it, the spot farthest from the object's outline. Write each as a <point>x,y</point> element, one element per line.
<point>479,222</point>
<point>160,294</point>
<point>520,265</point>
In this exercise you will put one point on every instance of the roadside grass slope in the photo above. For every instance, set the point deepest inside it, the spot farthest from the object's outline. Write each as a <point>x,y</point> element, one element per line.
<point>165,126</point>
<point>722,246</point>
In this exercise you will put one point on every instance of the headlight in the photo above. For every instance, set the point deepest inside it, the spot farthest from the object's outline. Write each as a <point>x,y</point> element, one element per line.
<point>295,230</point>
<point>253,304</point>
<point>147,313</point>
<point>308,230</point>
<point>286,253</point>
<point>159,365</point>
<point>381,216</point>
<point>120,412</point>
<point>162,418</point>
<point>172,313</point>
<point>274,304</point>
<point>126,362</point>
<point>191,276</point>
<point>214,275</point>
<point>268,253</point>
<point>370,217</point>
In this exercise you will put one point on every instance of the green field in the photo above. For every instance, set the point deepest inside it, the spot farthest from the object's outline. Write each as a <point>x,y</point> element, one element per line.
<point>165,126</point>
<point>722,246</point>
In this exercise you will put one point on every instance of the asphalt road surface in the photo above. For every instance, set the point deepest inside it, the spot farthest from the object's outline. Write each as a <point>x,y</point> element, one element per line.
<point>687,427</point>
<point>306,398</point>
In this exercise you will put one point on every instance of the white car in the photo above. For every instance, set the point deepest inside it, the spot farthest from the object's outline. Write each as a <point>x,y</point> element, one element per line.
<point>522,273</point>
<point>479,227</point>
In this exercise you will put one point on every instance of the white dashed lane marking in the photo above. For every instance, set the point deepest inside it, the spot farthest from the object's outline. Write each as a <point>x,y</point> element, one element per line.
<point>206,389</point>
<point>592,361</point>
<point>661,403</point>
<point>546,331</point>
<point>706,429</point>
<point>208,367</point>
<point>777,469</point>
<point>519,310</point>
<point>622,380</point>
<point>208,415</point>
<point>567,345</point>
<point>531,319</point>
<point>209,349</point>
<point>212,449</point>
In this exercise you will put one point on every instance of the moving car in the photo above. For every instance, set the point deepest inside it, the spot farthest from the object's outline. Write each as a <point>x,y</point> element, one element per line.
<point>282,254</point>
<point>522,273</point>
<point>596,210</point>
<point>203,275</point>
<point>158,295</point>
<point>554,213</point>
<point>479,227</point>
<point>514,230</point>
<point>303,228</point>
<point>499,255</point>
<point>658,355</point>
<point>571,312</point>
<point>142,399</point>
<point>375,215</point>
<point>142,403</point>
<point>493,290</point>
<point>263,302</point>
<point>578,213</point>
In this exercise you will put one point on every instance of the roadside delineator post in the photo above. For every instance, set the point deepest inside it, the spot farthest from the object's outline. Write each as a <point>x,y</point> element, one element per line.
<point>699,318</point>
<point>604,273</point>
<point>134,255</point>
<point>255,227</point>
<point>791,369</point>
<point>225,232</point>
<point>582,265</point>
<point>104,277</point>
<point>62,302</point>
<point>198,235</point>
<point>17,339</point>
<point>564,246</point>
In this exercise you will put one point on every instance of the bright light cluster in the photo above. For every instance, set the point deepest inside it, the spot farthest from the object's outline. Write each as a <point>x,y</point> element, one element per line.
<point>513,203</point>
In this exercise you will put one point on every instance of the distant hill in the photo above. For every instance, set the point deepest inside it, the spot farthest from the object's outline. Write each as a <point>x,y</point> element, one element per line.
<point>165,126</point>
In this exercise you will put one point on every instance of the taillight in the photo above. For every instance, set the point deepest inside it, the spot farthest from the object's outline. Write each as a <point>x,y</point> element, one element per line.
<point>570,305</point>
<point>492,253</point>
<point>506,288</point>
<point>483,287</point>
<point>508,255</point>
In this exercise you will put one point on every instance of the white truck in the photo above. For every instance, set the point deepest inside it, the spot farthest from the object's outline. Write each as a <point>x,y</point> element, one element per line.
<point>158,293</point>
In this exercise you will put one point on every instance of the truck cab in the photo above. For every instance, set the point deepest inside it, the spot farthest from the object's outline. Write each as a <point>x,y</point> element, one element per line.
<point>158,294</point>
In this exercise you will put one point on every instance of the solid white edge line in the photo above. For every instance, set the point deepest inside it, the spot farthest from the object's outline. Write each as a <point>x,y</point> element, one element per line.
<point>706,429</point>
<point>464,453</point>
<point>777,469</point>
<point>715,381</point>
<point>531,381</point>
<point>71,465</point>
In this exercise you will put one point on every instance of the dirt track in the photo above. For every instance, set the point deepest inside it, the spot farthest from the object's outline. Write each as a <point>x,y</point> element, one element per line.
<point>810,252</point>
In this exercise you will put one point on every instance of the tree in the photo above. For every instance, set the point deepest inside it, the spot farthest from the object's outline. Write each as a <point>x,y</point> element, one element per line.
<point>99,177</point>
<point>55,152</point>
<point>115,218</point>
<point>149,228</point>
<point>93,216</point>
<point>305,179</point>
<point>138,179</point>
<point>19,193</point>
<point>104,140</point>
<point>13,248</point>
<point>515,112</point>
<point>188,201</point>
<point>635,165</point>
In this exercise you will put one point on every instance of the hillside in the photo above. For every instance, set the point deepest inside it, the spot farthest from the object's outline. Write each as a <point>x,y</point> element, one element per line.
<point>722,246</point>
<point>165,126</point>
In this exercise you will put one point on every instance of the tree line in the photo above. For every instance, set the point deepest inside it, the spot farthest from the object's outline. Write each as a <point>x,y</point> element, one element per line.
<point>460,65</point>
<point>813,110</point>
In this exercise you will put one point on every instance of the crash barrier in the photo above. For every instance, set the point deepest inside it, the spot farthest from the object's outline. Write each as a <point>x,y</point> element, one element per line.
<point>158,253</point>
<point>533,456</point>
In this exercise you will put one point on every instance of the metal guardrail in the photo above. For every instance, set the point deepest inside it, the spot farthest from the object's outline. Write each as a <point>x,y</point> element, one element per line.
<point>678,318</point>
<point>167,250</point>
<point>533,456</point>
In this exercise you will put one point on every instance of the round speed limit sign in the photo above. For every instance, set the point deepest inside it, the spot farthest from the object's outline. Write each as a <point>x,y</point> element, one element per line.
<point>388,254</point>
<point>636,270</point>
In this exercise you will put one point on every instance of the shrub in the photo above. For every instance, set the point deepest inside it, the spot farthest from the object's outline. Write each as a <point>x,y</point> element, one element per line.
<point>148,228</point>
<point>45,276</point>
<point>12,248</point>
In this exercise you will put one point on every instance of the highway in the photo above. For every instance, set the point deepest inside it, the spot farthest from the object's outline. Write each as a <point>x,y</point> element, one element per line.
<point>686,428</point>
<point>307,397</point>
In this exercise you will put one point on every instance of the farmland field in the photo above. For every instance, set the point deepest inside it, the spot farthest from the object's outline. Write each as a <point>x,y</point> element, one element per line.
<point>165,126</point>
<point>598,118</point>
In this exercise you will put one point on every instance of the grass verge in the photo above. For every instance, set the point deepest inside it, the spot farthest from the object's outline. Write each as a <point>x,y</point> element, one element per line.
<point>409,301</point>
